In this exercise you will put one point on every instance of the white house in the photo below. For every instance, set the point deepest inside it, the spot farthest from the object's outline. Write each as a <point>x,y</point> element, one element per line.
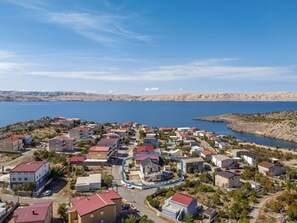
<point>222,161</point>
<point>36,172</point>
<point>250,158</point>
<point>89,183</point>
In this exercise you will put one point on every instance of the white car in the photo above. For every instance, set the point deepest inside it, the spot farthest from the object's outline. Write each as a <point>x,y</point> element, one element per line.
<point>47,193</point>
<point>130,186</point>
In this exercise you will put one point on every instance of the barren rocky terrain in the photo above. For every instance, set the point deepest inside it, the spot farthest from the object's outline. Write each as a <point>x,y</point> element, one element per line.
<point>278,125</point>
<point>78,96</point>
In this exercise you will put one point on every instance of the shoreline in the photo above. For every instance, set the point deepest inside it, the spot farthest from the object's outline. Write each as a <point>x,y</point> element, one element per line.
<point>273,125</point>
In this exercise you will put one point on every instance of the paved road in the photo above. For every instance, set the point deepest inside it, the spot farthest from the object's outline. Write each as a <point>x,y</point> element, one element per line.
<point>30,200</point>
<point>134,196</point>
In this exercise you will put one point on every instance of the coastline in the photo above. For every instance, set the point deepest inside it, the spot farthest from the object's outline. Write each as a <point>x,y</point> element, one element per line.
<point>252,124</point>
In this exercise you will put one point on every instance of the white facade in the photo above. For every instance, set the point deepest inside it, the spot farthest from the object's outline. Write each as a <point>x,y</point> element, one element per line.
<point>222,161</point>
<point>39,176</point>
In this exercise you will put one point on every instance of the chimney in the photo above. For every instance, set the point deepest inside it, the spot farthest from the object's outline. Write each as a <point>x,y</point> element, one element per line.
<point>34,213</point>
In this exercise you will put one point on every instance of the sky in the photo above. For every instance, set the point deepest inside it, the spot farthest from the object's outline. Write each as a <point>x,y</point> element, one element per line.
<point>148,47</point>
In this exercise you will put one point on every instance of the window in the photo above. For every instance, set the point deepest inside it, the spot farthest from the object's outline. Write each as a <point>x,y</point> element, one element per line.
<point>13,179</point>
<point>102,221</point>
<point>92,216</point>
<point>19,178</point>
<point>26,179</point>
<point>102,212</point>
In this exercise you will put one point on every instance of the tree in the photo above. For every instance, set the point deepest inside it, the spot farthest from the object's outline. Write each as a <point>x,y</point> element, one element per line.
<point>5,185</point>
<point>144,219</point>
<point>188,218</point>
<point>62,211</point>
<point>131,219</point>
<point>292,212</point>
<point>155,203</point>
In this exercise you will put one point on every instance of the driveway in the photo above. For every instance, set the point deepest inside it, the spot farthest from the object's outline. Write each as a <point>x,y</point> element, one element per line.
<point>134,196</point>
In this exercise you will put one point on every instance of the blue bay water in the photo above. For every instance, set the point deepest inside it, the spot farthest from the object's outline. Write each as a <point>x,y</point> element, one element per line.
<point>158,114</point>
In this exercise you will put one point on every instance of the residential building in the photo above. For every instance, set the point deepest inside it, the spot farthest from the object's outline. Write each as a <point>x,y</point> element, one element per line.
<point>36,172</point>
<point>103,207</point>
<point>89,183</point>
<point>222,161</point>
<point>206,154</point>
<point>270,169</point>
<point>150,170</point>
<point>194,163</point>
<point>143,150</point>
<point>196,150</point>
<point>222,144</point>
<point>77,160</point>
<point>227,179</point>
<point>113,143</point>
<point>111,135</point>
<point>179,205</point>
<point>80,132</point>
<point>142,157</point>
<point>36,213</point>
<point>236,152</point>
<point>11,143</point>
<point>61,144</point>
<point>100,153</point>
<point>249,157</point>
<point>27,139</point>
<point>151,141</point>
<point>122,132</point>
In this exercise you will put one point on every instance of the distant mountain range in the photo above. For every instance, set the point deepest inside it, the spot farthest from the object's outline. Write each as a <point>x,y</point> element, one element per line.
<point>80,96</point>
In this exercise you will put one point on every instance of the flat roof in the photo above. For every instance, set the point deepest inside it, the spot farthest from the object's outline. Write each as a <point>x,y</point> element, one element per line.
<point>92,178</point>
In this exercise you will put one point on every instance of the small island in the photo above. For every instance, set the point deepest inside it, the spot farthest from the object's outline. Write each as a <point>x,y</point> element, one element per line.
<point>278,125</point>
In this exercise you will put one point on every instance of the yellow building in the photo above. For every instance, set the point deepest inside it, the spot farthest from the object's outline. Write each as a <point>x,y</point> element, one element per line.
<point>98,208</point>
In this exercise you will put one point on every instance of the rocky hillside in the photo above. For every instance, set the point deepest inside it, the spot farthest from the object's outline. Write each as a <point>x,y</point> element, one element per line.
<point>77,96</point>
<point>278,125</point>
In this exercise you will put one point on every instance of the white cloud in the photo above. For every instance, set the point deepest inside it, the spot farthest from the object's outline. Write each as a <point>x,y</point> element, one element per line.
<point>152,89</point>
<point>180,89</point>
<point>210,69</point>
<point>104,28</point>
<point>110,91</point>
<point>6,54</point>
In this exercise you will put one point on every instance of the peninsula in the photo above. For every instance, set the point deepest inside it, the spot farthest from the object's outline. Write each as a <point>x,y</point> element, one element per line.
<point>81,96</point>
<point>278,125</point>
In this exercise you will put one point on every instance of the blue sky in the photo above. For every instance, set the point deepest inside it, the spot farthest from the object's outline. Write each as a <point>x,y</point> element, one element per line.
<point>148,47</point>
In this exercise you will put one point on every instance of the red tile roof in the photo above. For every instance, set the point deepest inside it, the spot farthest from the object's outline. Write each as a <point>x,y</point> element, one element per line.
<point>144,157</point>
<point>142,149</point>
<point>28,167</point>
<point>182,199</point>
<point>13,138</point>
<point>34,213</point>
<point>99,149</point>
<point>85,205</point>
<point>77,159</point>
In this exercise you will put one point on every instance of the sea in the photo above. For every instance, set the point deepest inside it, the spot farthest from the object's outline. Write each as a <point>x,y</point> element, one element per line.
<point>155,114</point>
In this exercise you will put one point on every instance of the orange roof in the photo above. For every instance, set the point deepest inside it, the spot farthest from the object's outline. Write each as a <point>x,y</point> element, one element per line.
<point>207,152</point>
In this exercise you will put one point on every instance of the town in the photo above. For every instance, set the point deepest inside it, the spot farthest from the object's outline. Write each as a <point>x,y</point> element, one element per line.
<point>70,170</point>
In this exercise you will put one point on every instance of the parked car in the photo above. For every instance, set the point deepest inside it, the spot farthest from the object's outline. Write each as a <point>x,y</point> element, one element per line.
<point>47,193</point>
